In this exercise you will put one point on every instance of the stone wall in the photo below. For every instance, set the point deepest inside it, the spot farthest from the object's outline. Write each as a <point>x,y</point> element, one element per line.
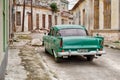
<point>109,36</point>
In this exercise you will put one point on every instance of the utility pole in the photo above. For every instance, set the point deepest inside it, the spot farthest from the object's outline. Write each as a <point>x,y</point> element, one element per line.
<point>13,16</point>
<point>31,15</point>
<point>23,17</point>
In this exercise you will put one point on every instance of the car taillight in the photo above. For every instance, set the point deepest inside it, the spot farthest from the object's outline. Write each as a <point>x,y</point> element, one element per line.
<point>63,51</point>
<point>61,43</point>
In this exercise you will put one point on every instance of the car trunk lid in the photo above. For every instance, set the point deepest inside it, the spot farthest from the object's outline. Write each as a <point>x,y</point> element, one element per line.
<point>81,42</point>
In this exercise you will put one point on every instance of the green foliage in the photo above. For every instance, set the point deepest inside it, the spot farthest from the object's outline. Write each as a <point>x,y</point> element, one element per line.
<point>54,7</point>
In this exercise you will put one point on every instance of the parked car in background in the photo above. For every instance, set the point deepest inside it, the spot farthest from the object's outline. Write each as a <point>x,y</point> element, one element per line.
<point>72,40</point>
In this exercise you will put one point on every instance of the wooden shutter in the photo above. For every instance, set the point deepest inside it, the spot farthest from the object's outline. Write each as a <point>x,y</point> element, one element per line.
<point>96,14</point>
<point>18,18</point>
<point>107,14</point>
<point>43,20</point>
<point>37,21</point>
<point>50,21</point>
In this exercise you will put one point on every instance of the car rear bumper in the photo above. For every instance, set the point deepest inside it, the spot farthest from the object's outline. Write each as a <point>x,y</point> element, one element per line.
<point>76,53</point>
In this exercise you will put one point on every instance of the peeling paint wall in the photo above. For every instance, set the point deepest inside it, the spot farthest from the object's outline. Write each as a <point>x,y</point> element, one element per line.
<point>88,6</point>
<point>4,36</point>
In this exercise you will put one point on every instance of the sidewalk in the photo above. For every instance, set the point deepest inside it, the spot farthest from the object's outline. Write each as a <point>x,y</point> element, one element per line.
<point>15,71</point>
<point>114,45</point>
<point>25,61</point>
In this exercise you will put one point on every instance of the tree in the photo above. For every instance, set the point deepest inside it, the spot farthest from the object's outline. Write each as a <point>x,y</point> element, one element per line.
<point>54,7</point>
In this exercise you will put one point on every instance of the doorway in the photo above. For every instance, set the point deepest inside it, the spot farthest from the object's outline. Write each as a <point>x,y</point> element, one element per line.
<point>107,14</point>
<point>43,19</point>
<point>84,18</point>
<point>29,22</point>
<point>96,14</point>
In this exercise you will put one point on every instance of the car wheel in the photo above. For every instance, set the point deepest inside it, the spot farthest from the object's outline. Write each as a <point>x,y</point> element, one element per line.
<point>46,50</point>
<point>42,43</point>
<point>57,59</point>
<point>90,58</point>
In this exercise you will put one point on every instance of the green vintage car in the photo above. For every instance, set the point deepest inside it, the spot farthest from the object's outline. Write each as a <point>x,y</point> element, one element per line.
<point>72,40</point>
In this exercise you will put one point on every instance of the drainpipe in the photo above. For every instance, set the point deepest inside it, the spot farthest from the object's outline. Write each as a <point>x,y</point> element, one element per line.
<point>31,15</point>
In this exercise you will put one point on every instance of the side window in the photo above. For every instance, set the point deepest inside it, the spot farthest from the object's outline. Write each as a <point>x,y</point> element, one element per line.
<point>51,32</point>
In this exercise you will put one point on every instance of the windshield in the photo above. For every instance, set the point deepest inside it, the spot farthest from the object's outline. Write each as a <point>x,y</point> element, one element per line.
<point>72,32</point>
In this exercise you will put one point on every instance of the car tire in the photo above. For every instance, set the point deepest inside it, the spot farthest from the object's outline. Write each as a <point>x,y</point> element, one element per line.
<point>90,58</point>
<point>46,50</point>
<point>42,43</point>
<point>57,59</point>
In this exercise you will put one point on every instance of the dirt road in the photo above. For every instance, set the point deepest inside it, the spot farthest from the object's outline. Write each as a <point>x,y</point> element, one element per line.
<point>106,67</point>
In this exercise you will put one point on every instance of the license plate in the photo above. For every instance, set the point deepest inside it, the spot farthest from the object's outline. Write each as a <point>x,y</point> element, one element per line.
<point>65,56</point>
<point>82,50</point>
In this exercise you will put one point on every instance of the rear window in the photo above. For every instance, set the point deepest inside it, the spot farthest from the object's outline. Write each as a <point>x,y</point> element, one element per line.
<point>72,32</point>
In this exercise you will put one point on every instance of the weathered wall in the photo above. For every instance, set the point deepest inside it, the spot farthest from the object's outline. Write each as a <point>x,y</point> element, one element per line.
<point>4,30</point>
<point>39,11</point>
<point>115,14</point>
<point>101,16</point>
<point>88,6</point>
<point>111,36</point>
<point>1,31</point>
<point>42,9</point>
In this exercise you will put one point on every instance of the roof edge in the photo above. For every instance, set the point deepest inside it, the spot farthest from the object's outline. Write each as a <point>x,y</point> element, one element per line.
<point>77,4</point>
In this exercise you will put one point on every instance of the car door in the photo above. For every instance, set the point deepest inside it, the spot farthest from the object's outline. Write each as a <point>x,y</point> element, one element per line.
<point>52,39</point>
<point>48,41</point>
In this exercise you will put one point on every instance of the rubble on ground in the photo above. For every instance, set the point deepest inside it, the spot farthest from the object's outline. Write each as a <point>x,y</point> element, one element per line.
<point>111,44</point>
<point>36,42</point>
<point>26,63</point>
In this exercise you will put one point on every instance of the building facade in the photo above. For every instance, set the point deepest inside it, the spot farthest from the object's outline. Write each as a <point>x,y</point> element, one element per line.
<point>43,17</point>
<point>99,16</point>
<point>4,36</point>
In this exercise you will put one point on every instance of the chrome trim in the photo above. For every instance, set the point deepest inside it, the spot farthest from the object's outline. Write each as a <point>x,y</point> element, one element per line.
<point>75,53</point>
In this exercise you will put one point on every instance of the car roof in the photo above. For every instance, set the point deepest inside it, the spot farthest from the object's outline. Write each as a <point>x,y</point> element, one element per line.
<point>59,27</point>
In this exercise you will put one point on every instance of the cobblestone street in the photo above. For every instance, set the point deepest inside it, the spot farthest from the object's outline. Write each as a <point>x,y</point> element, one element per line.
<point>35,64</point>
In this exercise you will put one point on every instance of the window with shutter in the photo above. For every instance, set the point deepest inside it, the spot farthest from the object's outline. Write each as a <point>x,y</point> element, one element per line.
<point>43,19</point>
<point>37,21</point>
<point>107,14</point>
<point>18,18</point>
<point>50,21</point>
<point>84,17</point>
<point>55,20</point>
<point>96,14</point>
